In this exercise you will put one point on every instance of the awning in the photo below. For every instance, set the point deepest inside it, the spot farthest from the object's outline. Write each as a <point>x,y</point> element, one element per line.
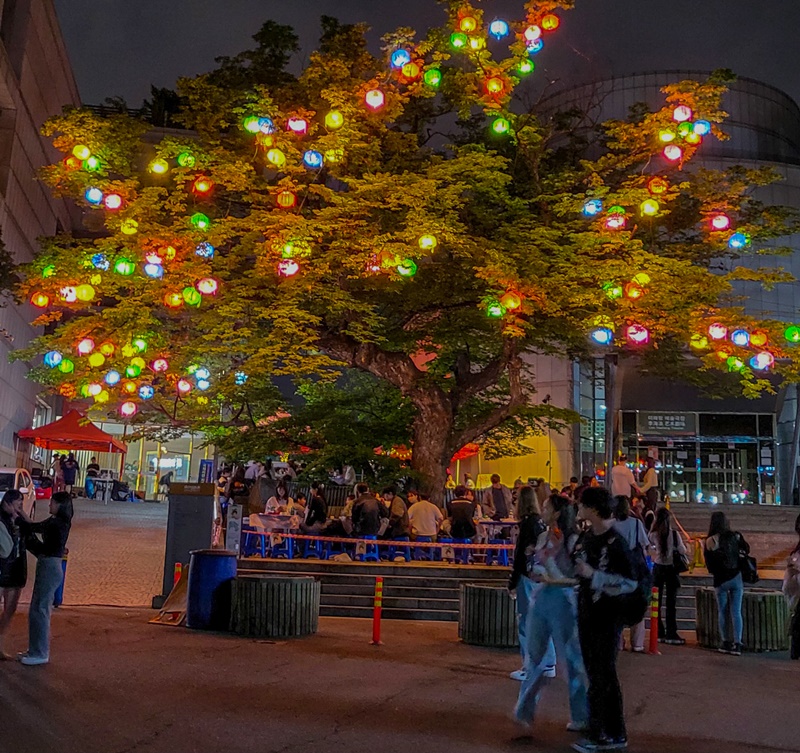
<point>73,432</point>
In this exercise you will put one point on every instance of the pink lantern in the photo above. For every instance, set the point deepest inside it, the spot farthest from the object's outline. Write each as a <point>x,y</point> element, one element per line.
<point>720,222</point>
<point>297,125</point>
<point>682,113</point>
<point>637,334</point>
<point>207,286</point>
<point>128,409</point>
<point>159,365</point>
<point>673,152</point>
<point>184,386</point>
<point>86,346</point>
<point>717,331</point>
<point>375,99</point>
<point>288,267</point>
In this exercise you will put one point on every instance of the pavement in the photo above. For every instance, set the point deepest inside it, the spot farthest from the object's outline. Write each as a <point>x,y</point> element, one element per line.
<point>117,684</point>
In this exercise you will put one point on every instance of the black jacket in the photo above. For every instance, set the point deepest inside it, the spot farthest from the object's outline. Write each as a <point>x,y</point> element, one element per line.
<point>317,511</point>
<point>530,528</point>
<point>367,514</point>
<point>54,531</point>
<point>462,525</point>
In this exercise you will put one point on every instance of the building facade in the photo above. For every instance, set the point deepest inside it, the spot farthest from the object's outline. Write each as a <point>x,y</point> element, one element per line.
<point>733,450</point>
<point>36,82</point>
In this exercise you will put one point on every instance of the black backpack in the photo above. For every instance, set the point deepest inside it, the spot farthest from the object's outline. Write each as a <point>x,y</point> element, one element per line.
<point>633,606</point>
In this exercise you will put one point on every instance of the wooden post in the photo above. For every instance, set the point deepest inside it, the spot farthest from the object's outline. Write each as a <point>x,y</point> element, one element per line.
<point>377,608</point>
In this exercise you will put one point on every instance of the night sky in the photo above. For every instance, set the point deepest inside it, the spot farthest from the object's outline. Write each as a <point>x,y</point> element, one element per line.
<point>119,47</point>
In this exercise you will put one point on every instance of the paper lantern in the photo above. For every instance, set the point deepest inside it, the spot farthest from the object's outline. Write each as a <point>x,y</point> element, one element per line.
<point>146,392</point>
<point>184,386</point>
<point>494,86</point>
<point>288,267</point>
<point>132,370</point>
<point>682,113</point>
<point>124,267</point>
<point>698,342</point>
<point>739,240</point>
<point>717,331</point>
<point>702,127</point>
<point>52,358</point>
<point>205,250</point>
<point>501,126</point>
<point>240,378</point>
<point>613,290</point>
<point>201,372</point>
<point>40,300</point>
<point>112,378</point>
<point>602,335</point>
<point>758,338</point>
<point>511,300</point>
<point>129,227</point>
<point>159,365</point>
<point>203,384</point>
<point>334,155</point>
<point>637,334</point>
<point>761,361</point>
<point>207,285</point>
<point>129,387</point>
<point>313,159</point>
<point>94,388</point>
<point>113,201</point>
<point>634,291</point>
<point>153,258</point>
<point>186,159</point>
<point>427,242</point>
<point>173,300</point>
<point>495,310</point>
<point>154,271</point>
<point>286,200</point>
<point>191,296</point>
<point>592,207</point>
<point>100,261</point>
<point>684,129</point>
<point>657,185</point>
<point>673,152</point>
<point>65,366</point>
<point>411,71</point>
<point>616,219</point>
<point>524,67</point>
<point>642,278</point>
<point>550,22</point>
<point>93,195</point>
<point>200,221</point>
<point>468,24</point>
<point>251,124</point>
<point>334,120</point>
<point>693,138</point>
<point>68,294</point>
<point>498,28</point>
<point>400,57</point>
<point>128,409</point>
<point>665,136</point>
<point>432,77</point>
<point>734,363</point>
<point>72,163</point>
<point>297,125</point>
<point>649,207</point>
<point>375,99</point>
<point>49,271</point>
<point>107,348</point>
<point>96,360</point>
<point>720,222</point>
<point>202,185</point>
<point>407,268</point>
<point>158,166</point>
<point>740,337</point>
<point>266,125</point>
<point>81,151</point>
<point>459,40</point>
<point>532,33</point>
<point>535,47</point>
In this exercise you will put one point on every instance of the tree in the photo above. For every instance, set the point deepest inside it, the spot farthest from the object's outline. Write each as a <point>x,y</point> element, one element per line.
<point>310,224</point>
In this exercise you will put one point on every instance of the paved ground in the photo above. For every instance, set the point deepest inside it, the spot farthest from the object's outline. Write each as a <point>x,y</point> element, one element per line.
<point>117,684</point>
<point>116,554</point>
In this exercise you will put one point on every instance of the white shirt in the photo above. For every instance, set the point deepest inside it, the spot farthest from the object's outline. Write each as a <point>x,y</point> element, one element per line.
<point>424,517</point>
<point>622,480</point>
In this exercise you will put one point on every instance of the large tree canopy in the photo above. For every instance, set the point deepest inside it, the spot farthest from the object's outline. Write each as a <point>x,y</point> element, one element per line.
<point>406,216</point>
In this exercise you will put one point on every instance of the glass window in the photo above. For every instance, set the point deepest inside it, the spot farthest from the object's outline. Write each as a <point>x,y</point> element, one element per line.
<point>6,481</point>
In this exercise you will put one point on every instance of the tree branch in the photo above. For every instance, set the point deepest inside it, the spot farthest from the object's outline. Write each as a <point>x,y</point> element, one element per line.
<point>469,383</point>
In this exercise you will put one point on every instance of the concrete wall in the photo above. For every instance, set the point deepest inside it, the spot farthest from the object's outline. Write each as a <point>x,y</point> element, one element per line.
<point>36,82</point>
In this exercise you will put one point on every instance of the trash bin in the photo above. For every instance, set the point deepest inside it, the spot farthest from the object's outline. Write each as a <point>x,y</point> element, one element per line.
<point>487,616</point>
<point>208,602</point>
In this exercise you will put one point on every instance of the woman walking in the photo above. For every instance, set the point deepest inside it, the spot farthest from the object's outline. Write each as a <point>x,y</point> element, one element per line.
<point>14,568</point>
<point>531,528</point>
<point>49,551</point>
<point>553,616</point>
<point>791,589</point>
<point>666,544</point>
<point>722,551</point>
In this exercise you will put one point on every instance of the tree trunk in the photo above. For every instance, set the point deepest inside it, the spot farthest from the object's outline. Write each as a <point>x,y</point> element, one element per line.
<point>433,429</point>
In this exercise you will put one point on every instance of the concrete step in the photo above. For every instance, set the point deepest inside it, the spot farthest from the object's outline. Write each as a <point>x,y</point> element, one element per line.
<point>390,614</point>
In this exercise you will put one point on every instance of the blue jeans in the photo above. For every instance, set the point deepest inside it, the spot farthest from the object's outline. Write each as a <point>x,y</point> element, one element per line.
<point>553,617</point>
<point>48,578</point>
<point>729,601</point>
<point>526,595</point>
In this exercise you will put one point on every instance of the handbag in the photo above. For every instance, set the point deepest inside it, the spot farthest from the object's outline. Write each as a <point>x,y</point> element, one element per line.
<point>680,561</point>
<point>748,566</point>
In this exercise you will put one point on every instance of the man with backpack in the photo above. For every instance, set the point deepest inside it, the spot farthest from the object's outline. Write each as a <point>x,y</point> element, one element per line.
<point>612,593</point>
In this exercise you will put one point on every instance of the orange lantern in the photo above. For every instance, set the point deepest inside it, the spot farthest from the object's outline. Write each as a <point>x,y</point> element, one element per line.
<point>286,200</point>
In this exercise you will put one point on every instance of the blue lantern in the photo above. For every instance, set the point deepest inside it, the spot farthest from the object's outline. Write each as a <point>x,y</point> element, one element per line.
<point>535,46</point>
<point>240,377</point>
<point>592,207</point>
<point>205,249</point>
<point>498,28</point>
<point>602,335</point>
<point>100,261</point>
<point>203,384</point>
<point>738,240</point>
<point>146,392</point>
<point>266,125</point>
<point>156,271</point>
<point>202,373</point>
<point>313,159</point>
<point>702,127</point>
<point>52,358</point>
<point>740,337</point>
<point>400,58</point>
<point>112,378</point>
<point>94,195</point>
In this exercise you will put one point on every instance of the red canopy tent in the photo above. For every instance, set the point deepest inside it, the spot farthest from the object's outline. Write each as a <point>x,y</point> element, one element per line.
<point>73,432</point>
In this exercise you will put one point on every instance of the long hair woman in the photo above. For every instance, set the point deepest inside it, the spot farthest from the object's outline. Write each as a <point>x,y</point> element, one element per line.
<point>553,615</point>
<point>666,541</point>
<point>721,553</point>
<point>632,530</point>
<point>14,568</point>
<point>531,528</point>
<point>49,551</point>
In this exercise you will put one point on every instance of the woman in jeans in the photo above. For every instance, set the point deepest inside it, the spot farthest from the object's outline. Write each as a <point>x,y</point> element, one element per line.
<point>665,541</point>
<point>520,585</point>
<point>721,552</point>
<point>49,551</point>
<point>553,616</point>
<point>631,528</point>
<point>14,568</point>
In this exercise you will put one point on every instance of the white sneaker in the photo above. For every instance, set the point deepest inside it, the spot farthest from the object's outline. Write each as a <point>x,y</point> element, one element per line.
<point>549,672</point>
<point>519,675</point>
<point>33,661</point>
<point>575,727</point>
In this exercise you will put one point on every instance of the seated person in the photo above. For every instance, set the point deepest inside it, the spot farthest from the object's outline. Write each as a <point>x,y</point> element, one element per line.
<point>462,513</point>
<point>343,525</point>
<point>424,518</point>
<point>280,501</point>
<point>398,514</point>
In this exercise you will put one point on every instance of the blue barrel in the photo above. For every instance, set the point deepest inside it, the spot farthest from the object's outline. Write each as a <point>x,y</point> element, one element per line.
<point>208,602</point>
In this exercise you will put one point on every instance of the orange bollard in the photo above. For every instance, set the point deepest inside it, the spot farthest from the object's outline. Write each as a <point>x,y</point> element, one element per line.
<point>177,574</point>
<point>376,612</point>
<point>654,623</point>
